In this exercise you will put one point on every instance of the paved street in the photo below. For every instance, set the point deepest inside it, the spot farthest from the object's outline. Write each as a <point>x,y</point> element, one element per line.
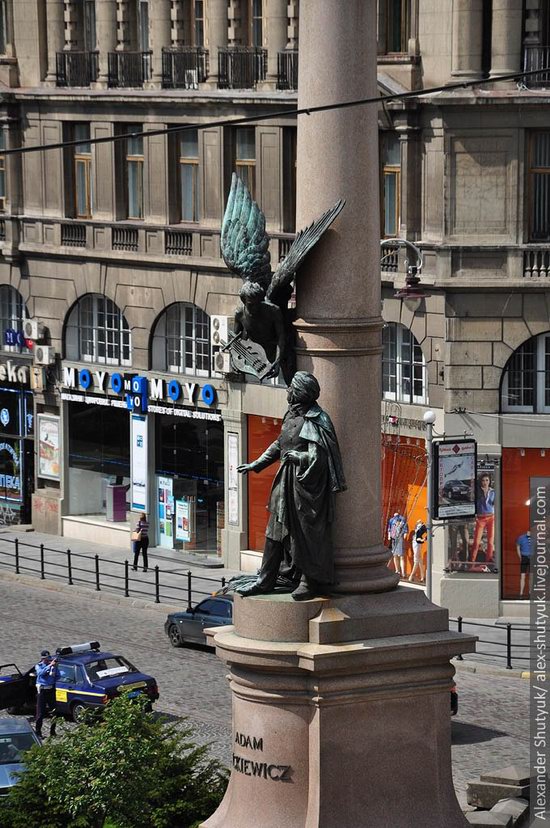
<point>489,732</point>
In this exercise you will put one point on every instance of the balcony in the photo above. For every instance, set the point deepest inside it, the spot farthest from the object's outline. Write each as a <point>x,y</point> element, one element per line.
<point>537,57</point>
<point>185,67</point>
<point>241,67</point>
<point>125,238</point>
<point>287,70</point>
<point>129,70</point>
<point>76,68</point>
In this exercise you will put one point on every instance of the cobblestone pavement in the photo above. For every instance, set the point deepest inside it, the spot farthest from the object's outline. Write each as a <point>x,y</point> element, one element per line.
<point>489,732</point>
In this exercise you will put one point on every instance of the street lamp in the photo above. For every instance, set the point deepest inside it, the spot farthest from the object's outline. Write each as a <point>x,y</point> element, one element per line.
<point>429,419</point>
<point>413,293</point>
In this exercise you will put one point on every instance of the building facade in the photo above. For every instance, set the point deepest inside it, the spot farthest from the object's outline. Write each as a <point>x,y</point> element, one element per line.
<point>109,246</point>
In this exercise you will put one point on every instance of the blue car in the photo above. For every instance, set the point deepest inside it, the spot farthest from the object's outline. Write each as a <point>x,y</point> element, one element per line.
<point>189,626</point>
<point>16,737</point>
<point>87,678</point>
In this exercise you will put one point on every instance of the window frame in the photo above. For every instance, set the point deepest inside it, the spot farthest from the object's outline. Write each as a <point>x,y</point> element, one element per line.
<point>246,164</point>
<point>398,364</point>
<point>136,161</point>
<point>404,27</point>
<point>540,383</point>
<point>84,160</point>
<point>198,23</point>
<point>4,27</point>
<point>102,336</point>
<point>193,162</point>
<point>531,173</point>
<point>256,22</point>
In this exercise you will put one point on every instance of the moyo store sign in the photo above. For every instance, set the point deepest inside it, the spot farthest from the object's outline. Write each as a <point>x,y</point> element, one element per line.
<point>137,393</point>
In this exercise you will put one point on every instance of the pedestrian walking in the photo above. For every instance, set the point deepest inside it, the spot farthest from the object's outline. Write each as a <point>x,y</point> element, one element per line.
<point>46,675</point>
<point>419,536</point>
<point>524,550</point>
<point>140,539</point>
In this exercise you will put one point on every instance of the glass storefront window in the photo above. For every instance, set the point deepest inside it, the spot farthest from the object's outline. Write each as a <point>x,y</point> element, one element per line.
<point>190,483</point>
<point>262,431</point>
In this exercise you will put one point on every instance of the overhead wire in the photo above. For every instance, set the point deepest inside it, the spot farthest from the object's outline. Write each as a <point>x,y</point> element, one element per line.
<point>281,113</point>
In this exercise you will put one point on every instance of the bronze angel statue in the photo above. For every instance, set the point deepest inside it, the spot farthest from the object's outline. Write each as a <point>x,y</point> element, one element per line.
<point>263,341</point>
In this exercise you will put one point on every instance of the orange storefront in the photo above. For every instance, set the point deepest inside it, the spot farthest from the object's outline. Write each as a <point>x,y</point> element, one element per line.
<point>262,431</point>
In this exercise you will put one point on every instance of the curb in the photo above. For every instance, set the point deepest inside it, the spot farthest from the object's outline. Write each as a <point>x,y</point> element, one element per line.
<point>490,669</point>
<point>108,597</point>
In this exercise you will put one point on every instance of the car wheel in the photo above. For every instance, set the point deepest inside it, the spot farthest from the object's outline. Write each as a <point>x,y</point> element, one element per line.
<point>77,712</point>
<point>174,636</point>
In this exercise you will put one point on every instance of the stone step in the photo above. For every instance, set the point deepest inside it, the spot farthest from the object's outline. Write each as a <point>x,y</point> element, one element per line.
<point>487,794</point>
<point>489,819</point>
<point>512,775</point>
<point>516,808</point>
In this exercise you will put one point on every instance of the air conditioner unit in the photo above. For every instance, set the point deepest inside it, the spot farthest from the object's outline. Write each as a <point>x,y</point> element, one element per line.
<point>221,363</point>
<point>33,329</point>
<point>44,355</point>
<point>191,79</point>
<point>220,333</point>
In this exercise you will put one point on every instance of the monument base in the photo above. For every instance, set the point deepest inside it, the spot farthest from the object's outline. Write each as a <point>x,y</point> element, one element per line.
<point>341,712</point>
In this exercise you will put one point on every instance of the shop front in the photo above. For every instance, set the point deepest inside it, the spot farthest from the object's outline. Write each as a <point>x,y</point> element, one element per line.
<point>16,444</point>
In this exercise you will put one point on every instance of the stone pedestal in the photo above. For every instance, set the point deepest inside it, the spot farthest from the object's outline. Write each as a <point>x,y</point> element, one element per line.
<point>341,713</point>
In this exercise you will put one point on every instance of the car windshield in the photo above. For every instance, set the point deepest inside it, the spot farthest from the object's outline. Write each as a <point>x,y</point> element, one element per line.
<point>107,667</point>
<point>13,746</point>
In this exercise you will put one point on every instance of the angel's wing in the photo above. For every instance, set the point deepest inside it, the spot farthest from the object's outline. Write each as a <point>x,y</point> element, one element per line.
<point>299,249</point>
<point>244,242</point>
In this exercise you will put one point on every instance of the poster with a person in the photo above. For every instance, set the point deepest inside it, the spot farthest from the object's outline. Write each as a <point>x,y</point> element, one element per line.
<point>471,543</point>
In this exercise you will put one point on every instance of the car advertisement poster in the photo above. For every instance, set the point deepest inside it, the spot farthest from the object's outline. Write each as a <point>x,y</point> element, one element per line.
<point>471,543</point>
<point>183,520</point>
<point>455,474</point>
<point>49,462</point>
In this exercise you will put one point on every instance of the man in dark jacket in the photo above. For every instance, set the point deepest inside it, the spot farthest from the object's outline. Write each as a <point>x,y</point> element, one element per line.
<point>298,542</point>
<point>46,675</point>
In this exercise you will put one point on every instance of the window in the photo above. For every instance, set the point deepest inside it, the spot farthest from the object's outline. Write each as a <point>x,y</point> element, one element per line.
<point>539,186</point>
<point>245,157</point>
<point>4,36</point>
<point>391,184</point>
<point>188,153</point>
<point>181,341</point>
<point>134,174</point>
<point>82,171</point>
<point>98,332</point>
<point>143,22</point>
<point>198,28</point>
<point>403,366</point>
<point>394,24</point>
<point>289,179</point>
<point>66,673</point>
<point>12,313</point>
<point>3,192</point>
<point>257,23</point>
<point>526,380</point>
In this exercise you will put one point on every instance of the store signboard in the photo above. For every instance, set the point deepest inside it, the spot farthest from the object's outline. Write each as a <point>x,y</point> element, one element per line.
<point>49,448</point>
<point>139,463</point>
<point>233,479</point>
<point>471,542</point>
<point>183,520</point>
<point>454,470</point>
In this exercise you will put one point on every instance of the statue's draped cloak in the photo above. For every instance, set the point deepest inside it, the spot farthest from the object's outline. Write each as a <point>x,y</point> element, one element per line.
<point>301,503</point>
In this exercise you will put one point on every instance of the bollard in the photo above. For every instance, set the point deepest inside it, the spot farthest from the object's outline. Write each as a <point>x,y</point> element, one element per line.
<point>42,575</point>
<point>189,596</point>
<point>126,580</point>
<point>17,556</point>
<point>97,584</point>
<point>459,622</point>
<point>69,567</point>
<point>508,646</point>
<point>157,585</point>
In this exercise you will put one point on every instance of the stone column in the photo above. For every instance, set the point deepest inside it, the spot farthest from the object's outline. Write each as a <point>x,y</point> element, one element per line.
<point>160,31</point>
<point>106,27</point>
<point>55,30</point>
<point>467,38</point>
<point>275,34</point>
<point>340,340</point>
<point>216,35</point>
<point>506,37</point>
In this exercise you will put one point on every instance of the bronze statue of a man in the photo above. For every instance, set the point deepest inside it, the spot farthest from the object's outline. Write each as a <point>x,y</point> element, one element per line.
<point>298,541</point>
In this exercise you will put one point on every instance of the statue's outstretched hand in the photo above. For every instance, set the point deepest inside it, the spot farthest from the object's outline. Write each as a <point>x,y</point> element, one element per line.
<point>244,468</point>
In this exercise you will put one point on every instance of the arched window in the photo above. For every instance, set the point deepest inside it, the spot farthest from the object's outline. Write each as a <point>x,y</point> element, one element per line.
<point>181,340</point>
<point>526,380</point>
<point>12,313</point>
<point>404,375</point>
<point>96,331</point>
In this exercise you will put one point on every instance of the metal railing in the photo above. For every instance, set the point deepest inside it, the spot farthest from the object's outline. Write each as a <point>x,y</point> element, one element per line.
<point>389,259</point>
<point>508,634</point>
<point>91,570</point>
<point>537,57</point>
<point>536,263</point>
<point>129,69</point>
<point>76,68</point>
<point>184,67</point>
<point>241,67</point>
<point>125,238</point>
<point>178,243</point>
<point>73,235</point>
<point>287,70</point>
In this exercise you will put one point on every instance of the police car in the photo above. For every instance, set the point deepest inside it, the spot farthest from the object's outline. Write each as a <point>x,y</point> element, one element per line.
<point>87,678</point>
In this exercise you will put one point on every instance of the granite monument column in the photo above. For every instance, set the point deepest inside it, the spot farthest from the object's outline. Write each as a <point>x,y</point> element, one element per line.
<point>338,298</point>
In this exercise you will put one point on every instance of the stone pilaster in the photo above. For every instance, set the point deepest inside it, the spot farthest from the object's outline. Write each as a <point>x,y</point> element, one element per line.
<point>467,38</point>
<point>506,38</point>
<point>106,28</point>
<point>177,17</point>
<point>124,25</point>
<point>160,29</point>
<point>217,27</point>
<point>275,35</point>
<point>342,344</point>
<point>56,36</point>
<point>293,27</point>
<point>73,35</point>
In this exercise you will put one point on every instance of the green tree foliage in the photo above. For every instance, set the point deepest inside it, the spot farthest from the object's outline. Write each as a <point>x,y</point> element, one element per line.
<point>127,771</point>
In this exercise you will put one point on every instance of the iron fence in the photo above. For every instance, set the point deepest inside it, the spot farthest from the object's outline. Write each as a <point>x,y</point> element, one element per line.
<point>76,68</point>
<point>508,633</point>
<point>102,574</point>
<point>241,67</point>
<point>184,67</point>
<point>129,69</point>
